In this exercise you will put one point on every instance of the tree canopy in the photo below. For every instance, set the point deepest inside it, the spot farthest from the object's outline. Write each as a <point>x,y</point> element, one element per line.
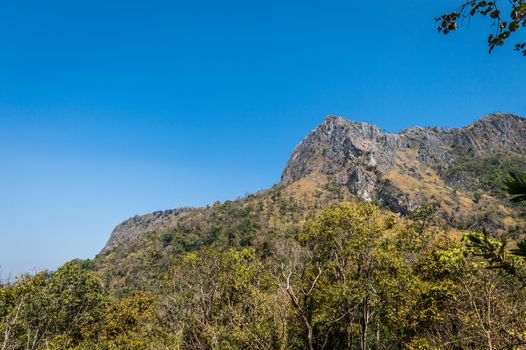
<point>506,18</point>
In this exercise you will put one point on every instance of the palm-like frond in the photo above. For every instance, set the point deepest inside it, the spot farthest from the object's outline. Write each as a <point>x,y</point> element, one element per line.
<point>492,250</point>
<point>521,249</point>
<point>516,187</point>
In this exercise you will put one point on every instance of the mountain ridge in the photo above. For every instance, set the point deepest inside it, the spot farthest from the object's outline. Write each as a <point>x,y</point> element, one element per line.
<point>366,131</point>
<point>361,156</point>
<point>398,170</point>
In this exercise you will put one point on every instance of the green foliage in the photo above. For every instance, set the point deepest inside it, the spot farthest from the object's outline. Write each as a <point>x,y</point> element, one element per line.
<point>351,277</point>
<point>80,301</point>
<point>443,259</point>
<point>506,18</point>
<point>496,254</point>
<point>520,250</point>
<point>493,251</point>
<point>355,280</point>
<point>226,291</point>
<point>127,324</point>
<point>486,173</point>
<point>516,187</point>
<point>58,308</point>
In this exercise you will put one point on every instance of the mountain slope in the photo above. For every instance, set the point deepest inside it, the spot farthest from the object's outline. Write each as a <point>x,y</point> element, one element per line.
<point>458,170</point>
<point>418,165</point>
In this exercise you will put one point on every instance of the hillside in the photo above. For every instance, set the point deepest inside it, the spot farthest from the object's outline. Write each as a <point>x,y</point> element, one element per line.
<point>366,243</point>
<point>460,171</point>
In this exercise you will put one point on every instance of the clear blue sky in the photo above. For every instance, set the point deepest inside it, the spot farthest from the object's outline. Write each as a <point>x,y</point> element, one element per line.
<point>114,108</point>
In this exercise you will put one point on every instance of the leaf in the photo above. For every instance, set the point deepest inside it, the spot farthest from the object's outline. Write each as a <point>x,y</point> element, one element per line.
<point>521,249</point>
<point>516,187</point>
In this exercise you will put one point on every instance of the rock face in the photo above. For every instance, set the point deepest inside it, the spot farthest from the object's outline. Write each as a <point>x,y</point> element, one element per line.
<point>401,171</point>
<point>385,167</point>
<point>138,225</point>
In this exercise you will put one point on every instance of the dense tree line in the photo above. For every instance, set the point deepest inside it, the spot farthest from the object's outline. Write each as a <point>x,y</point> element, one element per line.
<point>354,277</point>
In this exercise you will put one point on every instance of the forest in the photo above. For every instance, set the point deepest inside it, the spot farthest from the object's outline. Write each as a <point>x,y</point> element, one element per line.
<point>371,239</point>
<point>355,276</point>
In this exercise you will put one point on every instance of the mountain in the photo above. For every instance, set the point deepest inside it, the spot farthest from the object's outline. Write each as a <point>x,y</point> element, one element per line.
<point>417,165</point>
<point>401,170</point>
<point>460,172</point>
<point>358,247</point>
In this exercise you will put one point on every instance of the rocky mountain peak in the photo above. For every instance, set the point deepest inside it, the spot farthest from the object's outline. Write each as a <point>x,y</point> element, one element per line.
<point>376,165</point>
<point>401,171</point>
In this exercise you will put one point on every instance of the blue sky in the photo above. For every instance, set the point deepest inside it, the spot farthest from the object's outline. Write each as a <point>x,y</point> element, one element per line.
<point>114,108</point>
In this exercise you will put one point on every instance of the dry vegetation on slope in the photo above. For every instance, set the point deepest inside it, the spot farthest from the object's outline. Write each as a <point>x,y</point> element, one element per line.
<point>310,263</point>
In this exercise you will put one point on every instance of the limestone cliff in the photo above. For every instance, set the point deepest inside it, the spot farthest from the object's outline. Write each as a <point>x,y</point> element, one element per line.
<point>459,169</point>
<point>403,170</point>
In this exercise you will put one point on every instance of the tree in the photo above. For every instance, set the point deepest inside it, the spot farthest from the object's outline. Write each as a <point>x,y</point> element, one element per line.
<point>59,309</point>
<point>494,251</point>
<point>350,285</point>
<point>220,299</point>
<point>506,17</point>
<point>127,324</point>
<point>516,187</point>
<point>465,306</point>
<point>77,302</point>
<point>16,305</point>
